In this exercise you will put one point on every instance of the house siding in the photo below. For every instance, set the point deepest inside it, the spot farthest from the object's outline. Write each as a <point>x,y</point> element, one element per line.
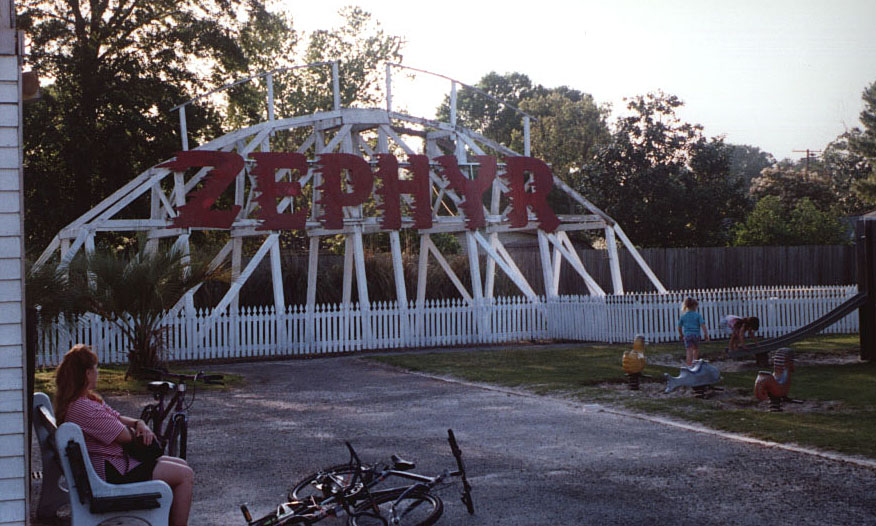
<point>14,453</point>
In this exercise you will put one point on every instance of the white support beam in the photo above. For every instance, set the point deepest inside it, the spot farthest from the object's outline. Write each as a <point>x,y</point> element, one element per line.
<point>188,298</point>
<point>341,135</point>
<point>238,282</point>
<point>638,257</point>
<point>508,266</point>
<point>617,282</point>
<point>277,279</point>
<point>236,263</point>
<point>573,260</point>
<point>423,269</point>
<point>546,265</point>
<point>448,270</point>
<point>564,240</point>
<point>312,269</point>
<point>47,252</point>
<point>89,243</point>
<point>557,260</point>
<point>490,283</point>
<point>347,282</point>
<point>68,254</point>
<point>474,266</point>
<point>394,136</point>
<point>398,270</point>
<point>361,278</point>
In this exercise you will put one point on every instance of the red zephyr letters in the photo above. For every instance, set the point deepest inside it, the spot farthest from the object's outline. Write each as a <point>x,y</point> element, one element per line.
<point>334,197</point>
<point>392,188</point>
<point>542,178</point>
<point>267,164</point>
<point>196,212</point>
<point>472,189</point>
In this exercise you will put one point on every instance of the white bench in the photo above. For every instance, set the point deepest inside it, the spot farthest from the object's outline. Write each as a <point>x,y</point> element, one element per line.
<point>53,493</point>
<point>93,502</point>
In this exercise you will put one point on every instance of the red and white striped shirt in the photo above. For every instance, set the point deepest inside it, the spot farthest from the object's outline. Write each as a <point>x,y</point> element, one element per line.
<point>101,426</point>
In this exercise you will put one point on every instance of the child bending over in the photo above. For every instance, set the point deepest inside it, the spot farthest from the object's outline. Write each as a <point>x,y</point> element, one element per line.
<point>739,328</point>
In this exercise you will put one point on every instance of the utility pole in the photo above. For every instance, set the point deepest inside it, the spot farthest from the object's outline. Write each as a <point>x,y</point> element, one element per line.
<point>810,154</point>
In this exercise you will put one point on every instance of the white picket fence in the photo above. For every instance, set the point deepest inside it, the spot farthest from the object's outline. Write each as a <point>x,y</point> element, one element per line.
<point>261,332</point>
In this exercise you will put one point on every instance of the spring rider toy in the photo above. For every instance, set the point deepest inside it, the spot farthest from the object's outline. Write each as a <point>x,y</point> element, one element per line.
<point>776,385</point>
<point>699,376</point>
<point>634,362</point>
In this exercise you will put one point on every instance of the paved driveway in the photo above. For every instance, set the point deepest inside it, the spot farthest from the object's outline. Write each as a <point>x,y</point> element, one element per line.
<point>533,460</point>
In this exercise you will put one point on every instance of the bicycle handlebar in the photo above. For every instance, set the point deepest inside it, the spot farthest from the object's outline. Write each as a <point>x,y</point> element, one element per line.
<point>215,379</point>
<point>466,487</point>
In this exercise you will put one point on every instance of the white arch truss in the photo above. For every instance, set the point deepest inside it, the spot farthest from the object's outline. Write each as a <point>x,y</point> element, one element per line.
<point>364,133</point>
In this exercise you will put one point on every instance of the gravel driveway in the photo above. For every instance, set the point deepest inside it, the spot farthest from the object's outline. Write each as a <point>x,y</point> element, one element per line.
<point>533,460</point>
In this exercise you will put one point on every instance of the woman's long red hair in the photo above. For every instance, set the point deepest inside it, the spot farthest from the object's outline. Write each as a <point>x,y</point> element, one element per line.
<point>70,379</point>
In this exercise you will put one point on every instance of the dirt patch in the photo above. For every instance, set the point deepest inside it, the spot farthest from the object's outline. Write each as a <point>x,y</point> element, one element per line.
<point>727,397</point>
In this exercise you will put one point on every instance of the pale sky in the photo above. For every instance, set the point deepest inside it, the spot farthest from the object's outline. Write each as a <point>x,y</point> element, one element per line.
<point>781,75</point>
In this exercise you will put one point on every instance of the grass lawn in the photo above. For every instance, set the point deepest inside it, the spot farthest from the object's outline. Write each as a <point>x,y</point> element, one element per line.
<point>839,392</point>
<point>111,380</point>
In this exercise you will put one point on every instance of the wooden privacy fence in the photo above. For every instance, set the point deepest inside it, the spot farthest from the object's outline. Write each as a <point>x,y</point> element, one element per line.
<point>261,332</point>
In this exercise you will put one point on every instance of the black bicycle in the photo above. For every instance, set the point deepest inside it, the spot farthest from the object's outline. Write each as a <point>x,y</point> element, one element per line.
<point>173,435</point>
<point>352,488</point>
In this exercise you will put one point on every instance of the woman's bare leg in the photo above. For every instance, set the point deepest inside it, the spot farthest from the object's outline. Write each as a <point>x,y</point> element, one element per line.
<point>180,478</point>
<point>175,460</point>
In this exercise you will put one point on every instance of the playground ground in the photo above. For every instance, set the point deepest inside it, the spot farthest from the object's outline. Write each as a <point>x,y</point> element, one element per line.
<point>533,459</point>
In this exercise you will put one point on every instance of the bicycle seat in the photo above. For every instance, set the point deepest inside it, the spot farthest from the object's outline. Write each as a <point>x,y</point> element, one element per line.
<point>401,464</point>
<point>161,387</point>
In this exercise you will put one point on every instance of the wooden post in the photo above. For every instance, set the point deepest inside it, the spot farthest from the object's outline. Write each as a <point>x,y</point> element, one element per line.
<point>865,236</point>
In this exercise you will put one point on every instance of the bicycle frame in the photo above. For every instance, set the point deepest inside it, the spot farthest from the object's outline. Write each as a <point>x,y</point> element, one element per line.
<point>343,495</point>
<point>175,408</point>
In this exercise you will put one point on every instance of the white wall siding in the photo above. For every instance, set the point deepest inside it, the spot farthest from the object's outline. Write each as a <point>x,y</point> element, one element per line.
<point>14,455</point>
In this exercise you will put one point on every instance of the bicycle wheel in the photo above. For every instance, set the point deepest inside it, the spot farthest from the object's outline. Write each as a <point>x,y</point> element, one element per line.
<point>414,509</point>
<point>305,488</point>
<point>176,441</point>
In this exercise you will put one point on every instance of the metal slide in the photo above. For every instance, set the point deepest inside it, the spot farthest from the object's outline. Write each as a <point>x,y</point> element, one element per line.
<point>840,312</point>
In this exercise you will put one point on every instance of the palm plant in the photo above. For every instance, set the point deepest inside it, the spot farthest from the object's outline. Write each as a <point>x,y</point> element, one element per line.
<point>135,291</point>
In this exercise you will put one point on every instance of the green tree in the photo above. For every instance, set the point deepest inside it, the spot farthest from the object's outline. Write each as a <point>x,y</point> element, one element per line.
<point>862,142</point>
<point>747,162</point>
<point>566,129</point>
<point>791,183</point>
<point>567,132</point>
<point>774,222</point>
<point>134,291</point>
<point>488,116</point>
<point>662,180</point>
<point>846,171</point>
<point>113,70</point>
<point>269,42</point>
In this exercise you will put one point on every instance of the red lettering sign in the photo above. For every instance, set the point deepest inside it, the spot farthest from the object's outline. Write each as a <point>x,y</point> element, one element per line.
<point>521,200</point>
<point>196,212</point>
<point>334,197</point>
<point>471,189</point>
<point>392,187</point>
<point>269,189</point>
<point>339,192</point>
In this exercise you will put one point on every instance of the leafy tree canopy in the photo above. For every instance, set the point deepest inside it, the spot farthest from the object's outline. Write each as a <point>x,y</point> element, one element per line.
<point>791,184</point>
<point>747,162</point>
<point>862,142</point>
<point>113,69</point>
<point>270,43</point>
<point>774,222</point>
<point>664,182</point>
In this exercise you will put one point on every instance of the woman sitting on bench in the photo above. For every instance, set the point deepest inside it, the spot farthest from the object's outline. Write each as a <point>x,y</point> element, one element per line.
<point>105,432</point>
